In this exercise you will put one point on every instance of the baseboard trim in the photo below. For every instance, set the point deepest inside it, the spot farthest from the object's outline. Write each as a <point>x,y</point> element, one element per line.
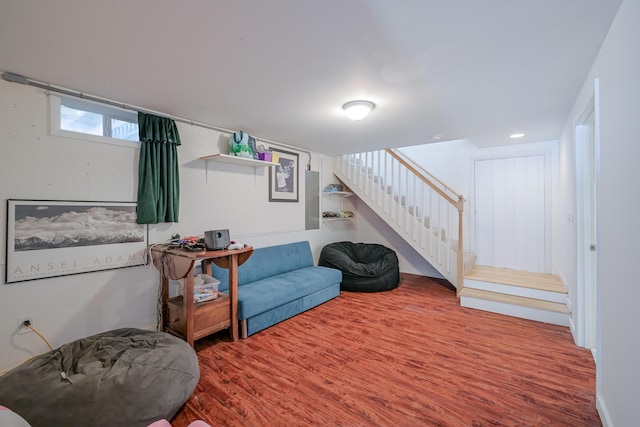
<point>601,406</point>
<point>574,333</point>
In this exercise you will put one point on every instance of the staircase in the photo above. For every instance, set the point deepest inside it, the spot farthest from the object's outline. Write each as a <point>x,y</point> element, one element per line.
<point>428,215</point>
<point>420,208</point>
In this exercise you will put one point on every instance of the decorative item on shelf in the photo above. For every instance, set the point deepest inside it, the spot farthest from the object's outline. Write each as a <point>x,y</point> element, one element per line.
<point>242,144</point>
<point>337,188</point>
<point>332,188</point>
<point>264,154</point>
<point>340,214</point>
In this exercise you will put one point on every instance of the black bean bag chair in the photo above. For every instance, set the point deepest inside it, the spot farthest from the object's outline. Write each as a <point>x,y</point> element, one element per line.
<point>366,267</point>
<point>125,377</point>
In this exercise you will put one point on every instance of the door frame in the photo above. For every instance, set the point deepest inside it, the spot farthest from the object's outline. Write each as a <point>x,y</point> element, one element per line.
<point>587,161</point>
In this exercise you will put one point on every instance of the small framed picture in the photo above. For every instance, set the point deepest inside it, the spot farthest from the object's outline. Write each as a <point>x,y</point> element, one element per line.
<point>283,178</point>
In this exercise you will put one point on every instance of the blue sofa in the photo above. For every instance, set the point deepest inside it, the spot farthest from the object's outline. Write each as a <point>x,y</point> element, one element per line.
<point>278,282</point>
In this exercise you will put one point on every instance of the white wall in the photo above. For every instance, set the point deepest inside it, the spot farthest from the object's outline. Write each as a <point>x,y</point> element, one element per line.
<point>35,165</point>
<point>618,341</point>
<point>449,161</point>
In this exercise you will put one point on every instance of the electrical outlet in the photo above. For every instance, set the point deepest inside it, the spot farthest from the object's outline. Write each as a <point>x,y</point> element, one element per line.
<point>23,329</point>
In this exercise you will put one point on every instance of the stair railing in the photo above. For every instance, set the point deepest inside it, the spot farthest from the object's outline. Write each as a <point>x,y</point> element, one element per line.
<point>434,181</point>
<point>421,208</point>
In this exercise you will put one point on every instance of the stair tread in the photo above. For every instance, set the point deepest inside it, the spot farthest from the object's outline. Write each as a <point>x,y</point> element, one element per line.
<point>521,278</point>
<point>516,300</point>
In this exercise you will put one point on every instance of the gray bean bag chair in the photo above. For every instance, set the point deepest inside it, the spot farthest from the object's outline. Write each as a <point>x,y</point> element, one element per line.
<point>366,267</point>
<point>125,377</point>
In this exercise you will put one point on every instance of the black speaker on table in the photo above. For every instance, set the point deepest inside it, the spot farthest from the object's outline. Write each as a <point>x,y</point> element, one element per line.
<point>216,239</point>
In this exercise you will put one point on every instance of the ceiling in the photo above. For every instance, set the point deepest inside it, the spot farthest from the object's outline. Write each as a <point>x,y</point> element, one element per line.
<point>282,69</point>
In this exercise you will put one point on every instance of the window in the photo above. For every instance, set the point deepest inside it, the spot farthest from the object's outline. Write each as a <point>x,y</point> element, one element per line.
<point>80,118</point>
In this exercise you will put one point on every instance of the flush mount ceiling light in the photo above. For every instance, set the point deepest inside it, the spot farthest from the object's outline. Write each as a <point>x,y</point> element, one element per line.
<point>516,135</point>
<point>358,110</point>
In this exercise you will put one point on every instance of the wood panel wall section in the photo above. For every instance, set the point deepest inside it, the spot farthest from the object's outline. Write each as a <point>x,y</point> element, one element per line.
<point>407,357</point>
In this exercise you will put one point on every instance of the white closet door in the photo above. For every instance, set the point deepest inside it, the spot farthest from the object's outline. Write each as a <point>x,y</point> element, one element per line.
<point>510,212</point>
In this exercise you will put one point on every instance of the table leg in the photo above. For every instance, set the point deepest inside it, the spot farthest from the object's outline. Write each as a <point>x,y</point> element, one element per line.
<point>164,325</point>
<point>206,267</point>
<point>188,307</point>
<point>233,294</point>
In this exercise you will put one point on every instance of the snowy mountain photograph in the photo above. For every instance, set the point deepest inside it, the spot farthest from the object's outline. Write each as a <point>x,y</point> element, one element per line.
<point>58,238</point>
<point>59,226</point>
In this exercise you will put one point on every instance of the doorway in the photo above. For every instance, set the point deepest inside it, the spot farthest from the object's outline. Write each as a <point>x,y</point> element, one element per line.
<point>512,212</point>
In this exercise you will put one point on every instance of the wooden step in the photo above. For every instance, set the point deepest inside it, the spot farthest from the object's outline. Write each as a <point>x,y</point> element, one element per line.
<point>514,300</point>
<point>521,278</point>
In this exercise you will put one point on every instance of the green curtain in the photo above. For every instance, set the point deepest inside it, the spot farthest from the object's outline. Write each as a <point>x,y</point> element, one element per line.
<point>158,181</point>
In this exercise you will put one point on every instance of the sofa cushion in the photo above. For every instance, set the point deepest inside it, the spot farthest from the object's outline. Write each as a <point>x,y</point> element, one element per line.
<point>265,294</point>
<point>268,262</point>
<point>290,309</point>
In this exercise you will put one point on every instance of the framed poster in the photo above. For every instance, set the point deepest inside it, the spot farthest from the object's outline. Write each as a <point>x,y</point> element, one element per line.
<point>283,179</point>
<point>47,238</point>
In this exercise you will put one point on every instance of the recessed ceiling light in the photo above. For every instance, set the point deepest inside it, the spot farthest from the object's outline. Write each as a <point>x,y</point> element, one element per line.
<point>358,110</point>
<point>516,135</point>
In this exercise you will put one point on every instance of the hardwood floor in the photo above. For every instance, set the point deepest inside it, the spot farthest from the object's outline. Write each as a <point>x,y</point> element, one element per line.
<point>407,357</point>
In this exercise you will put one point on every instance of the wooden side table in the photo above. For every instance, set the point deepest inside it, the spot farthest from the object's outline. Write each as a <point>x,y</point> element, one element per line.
<point>180,315</point>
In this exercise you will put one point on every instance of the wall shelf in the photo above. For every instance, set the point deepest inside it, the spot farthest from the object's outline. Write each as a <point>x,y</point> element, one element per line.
<point>341,195</point>
<point>242,161</point>
<point>337,193</point>
<point>335,218</point>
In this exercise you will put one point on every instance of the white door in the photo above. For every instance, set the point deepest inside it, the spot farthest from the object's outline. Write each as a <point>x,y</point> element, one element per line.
<point>510,211</point>
<point>586,185</point>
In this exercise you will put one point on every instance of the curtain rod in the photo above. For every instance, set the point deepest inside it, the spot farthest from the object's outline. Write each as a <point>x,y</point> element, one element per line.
<point>16,78</point>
